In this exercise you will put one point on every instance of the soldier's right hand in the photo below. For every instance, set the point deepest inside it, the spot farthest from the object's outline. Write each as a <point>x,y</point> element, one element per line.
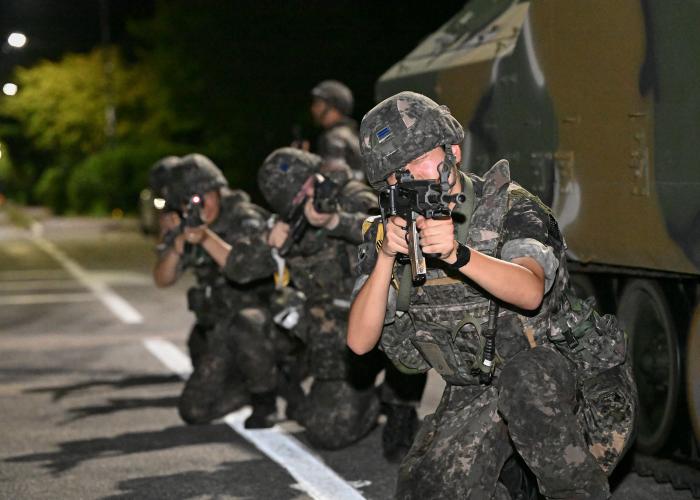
<point>394,237</point>
<point>278,234</point>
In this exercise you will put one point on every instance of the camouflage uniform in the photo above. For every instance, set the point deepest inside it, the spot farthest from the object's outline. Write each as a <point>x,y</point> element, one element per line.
<point>568,411</point>
<point>534,398</point>
<point>340,140</point>
<point>231,340</point>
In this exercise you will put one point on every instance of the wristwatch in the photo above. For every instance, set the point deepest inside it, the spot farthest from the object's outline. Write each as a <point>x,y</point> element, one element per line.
<point>463,256</point>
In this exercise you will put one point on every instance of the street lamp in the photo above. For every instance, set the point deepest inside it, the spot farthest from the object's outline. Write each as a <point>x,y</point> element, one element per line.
<point>17,40</point>
<point>9,89</point>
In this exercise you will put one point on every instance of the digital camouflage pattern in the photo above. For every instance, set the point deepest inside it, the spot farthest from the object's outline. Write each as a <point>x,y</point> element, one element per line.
<point>282,175</point>
<point>231,342</point>
<point>400,129</point>
<point>441,330</point>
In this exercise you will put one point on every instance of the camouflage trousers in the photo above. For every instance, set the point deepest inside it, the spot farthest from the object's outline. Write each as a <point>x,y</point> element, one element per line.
<point>343,404</point>
<point>529,408</point>
<point>231,359</point>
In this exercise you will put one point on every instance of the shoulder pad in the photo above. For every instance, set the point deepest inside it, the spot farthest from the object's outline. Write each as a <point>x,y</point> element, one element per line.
<point>496,177</point>
<point>516,193</point>
<point>373,230</point>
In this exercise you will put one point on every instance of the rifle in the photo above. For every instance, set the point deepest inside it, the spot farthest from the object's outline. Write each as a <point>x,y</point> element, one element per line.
<point>408,199</point>
<point>325,201</point>
<point>192,216</point>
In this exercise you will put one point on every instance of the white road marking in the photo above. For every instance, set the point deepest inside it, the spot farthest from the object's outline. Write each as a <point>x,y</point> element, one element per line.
<point>114,302</point>
<point>44,298</point>
<point>314,477</point>
<point>169,354</point>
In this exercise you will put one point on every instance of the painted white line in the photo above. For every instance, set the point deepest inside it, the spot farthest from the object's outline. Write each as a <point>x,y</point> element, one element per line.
<point>169,354</point>
<point>314,477</point>
<point>115,303</point>
<point>44,298</point>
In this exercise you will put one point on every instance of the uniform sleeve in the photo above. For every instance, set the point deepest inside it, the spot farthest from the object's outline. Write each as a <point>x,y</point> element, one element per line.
<point>367,258</point>
<point>530,230</point>
<point>355,206</point>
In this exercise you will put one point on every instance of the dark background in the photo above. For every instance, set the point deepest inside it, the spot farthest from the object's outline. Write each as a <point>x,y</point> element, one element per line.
<point>237,75</point>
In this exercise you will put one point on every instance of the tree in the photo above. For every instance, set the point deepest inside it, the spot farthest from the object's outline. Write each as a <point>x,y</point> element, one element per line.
<point>61,110</point>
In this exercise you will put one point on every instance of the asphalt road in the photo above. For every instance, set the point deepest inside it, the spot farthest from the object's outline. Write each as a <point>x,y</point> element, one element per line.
<point>87,410</point>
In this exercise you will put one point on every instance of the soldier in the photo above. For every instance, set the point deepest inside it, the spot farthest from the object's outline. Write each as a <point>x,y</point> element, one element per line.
<point>529,367</point>
<point>331,108</point>
<point>230,343</point>
<point>342,405</point>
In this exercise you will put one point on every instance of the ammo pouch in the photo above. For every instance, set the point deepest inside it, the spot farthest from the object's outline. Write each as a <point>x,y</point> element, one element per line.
<point>211,303</point>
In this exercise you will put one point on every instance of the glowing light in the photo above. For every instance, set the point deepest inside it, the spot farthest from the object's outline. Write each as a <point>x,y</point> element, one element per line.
<point>159,203</point>
<point>17,40</point>
<point>196,199</point>
<point>9,89</point>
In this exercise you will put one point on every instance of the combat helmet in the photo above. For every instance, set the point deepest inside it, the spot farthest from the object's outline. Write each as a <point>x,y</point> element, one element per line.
<point>335,93</point>
<point>196,174</point>
<point>283,174</point>
<point>400,129</point>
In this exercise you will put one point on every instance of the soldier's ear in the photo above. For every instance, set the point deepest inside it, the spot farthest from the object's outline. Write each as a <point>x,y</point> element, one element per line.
<point>457,152</point>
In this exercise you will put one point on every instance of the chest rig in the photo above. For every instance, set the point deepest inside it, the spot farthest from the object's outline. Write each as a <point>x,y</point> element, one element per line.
<point>454,324</point>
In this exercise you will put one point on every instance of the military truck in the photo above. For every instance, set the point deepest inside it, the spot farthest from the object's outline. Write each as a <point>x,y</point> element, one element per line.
<point>596,105</point>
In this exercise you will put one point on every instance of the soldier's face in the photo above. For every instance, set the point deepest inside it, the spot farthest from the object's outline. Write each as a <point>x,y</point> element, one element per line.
<point>426,167</point>
<point>210,210</point>
<point>318,107</point>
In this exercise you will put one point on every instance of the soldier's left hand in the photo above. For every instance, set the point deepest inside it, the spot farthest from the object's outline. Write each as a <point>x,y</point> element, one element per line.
<point>195,235</point>
<point>437,236</point>
<point>318,219</point>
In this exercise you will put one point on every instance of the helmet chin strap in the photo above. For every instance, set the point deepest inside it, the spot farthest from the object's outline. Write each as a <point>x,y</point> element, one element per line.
<point>446,166</point>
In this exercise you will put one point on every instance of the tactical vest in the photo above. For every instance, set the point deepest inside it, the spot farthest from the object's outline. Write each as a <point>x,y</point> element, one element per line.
<point>447,314</point>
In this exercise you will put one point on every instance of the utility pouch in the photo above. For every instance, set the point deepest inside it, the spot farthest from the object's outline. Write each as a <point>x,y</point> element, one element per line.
<point>198,301</point>
<point>593,343</point>
<point>439,350</point>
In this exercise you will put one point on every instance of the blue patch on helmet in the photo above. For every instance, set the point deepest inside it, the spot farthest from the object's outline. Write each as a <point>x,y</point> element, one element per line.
<point>284,166</point>
<point>383,133</point>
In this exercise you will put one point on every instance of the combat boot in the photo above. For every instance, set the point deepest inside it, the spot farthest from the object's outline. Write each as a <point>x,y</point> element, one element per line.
<point>399,431</point>
<point>264,411</point>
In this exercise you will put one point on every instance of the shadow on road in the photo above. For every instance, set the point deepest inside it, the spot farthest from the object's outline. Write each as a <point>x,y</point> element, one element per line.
<point>60,392</point>
<point>73,453</point>
<point>230,479</point>
<point>122,404</point>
